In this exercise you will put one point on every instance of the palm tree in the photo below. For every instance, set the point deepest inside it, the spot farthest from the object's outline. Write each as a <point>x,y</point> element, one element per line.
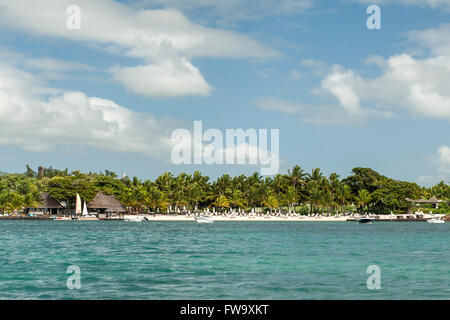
<point>155,199</point>
<point>315,175</point>
<point>271,202</point>
<point>363,198</point>
<point>195,194</point>
<point>343,195</point>
<point>222,202</point>
<point>328,200</point>
<point>297,177</point>
<point>279,184</point>
<point>291,197</point>
<point>253,190</point>
<point>237,200</point>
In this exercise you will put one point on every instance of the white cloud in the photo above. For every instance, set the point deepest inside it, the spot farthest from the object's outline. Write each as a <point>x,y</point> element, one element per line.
<point>50,64</point>
<point>422,3</point>
<point>407,85</point>
<point>36,118</point>
<point>166,79</point>
<point>319,68</point>
<point>164,39</point>
<point>437,40</point>
<point>316,114</point>
<point>443,159</point>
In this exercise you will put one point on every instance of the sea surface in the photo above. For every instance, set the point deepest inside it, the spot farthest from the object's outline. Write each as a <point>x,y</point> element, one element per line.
<point>224,260</point>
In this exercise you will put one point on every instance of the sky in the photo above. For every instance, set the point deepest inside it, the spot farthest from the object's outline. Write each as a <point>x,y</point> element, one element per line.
<point>109,94</point>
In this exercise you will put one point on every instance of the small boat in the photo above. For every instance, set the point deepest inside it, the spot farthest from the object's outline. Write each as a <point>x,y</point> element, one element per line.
<point>365,220</point>
<point>204,219</point>
<point>134,218</point>
<point>60,218</point>
<point>436,220</point>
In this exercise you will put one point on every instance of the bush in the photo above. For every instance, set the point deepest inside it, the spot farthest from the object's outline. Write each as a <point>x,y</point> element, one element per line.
<point>303,210</point>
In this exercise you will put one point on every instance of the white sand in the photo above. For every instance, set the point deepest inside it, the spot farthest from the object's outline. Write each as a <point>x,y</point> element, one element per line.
<point>240,218</point>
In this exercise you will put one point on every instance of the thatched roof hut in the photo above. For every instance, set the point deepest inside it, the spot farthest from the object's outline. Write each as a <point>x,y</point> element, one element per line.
<point>48,202</point>
<point>46,205</point>
<point>106,203</point>
<point>433,200</point>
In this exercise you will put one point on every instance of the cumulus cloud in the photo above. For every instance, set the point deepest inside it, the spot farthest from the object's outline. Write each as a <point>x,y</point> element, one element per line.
<point>164,39</point>
<point>407,86</point>
<point>437,39</point>
<point>37,118</point>
<point>168,78</point>
<point>442,158</point>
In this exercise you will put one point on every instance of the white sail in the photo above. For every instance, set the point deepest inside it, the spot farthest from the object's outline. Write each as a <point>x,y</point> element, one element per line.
<point>85,210</point>
<point>78,205</point>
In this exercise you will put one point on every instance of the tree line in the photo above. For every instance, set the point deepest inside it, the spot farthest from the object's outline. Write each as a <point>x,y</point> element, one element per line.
<point>297,191</point>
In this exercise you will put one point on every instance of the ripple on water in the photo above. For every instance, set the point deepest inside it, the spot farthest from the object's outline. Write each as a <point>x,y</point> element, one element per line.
<point>229,260</point>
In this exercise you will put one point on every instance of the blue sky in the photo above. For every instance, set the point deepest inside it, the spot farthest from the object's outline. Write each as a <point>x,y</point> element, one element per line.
<point>108,96</point>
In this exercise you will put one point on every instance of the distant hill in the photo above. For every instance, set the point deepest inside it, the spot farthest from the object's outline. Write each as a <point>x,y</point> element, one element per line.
<point>2,173</point>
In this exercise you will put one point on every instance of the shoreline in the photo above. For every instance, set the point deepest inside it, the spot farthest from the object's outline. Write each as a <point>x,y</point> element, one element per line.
<point>185,218</point>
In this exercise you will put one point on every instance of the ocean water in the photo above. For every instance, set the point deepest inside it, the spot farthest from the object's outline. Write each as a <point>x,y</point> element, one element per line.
<point>224,260</point>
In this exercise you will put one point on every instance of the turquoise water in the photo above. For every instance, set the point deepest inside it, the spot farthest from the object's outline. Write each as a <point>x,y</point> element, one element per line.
<point>224,260</point>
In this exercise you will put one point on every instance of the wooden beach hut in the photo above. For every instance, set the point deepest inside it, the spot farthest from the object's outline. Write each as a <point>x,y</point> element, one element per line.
<point>48,205</point>
<point>106,205</point>
<point>434,202</point>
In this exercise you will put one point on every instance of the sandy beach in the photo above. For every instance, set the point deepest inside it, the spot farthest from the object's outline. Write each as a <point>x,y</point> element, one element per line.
<point>250,218</point>
<point>159,217</point>
<point>243,218</point>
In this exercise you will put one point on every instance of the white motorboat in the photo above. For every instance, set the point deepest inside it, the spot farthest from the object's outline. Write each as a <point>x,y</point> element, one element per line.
<point>204,219</point>
<point>365,220</point>
<point>436,220</point>
<point>134,218</point>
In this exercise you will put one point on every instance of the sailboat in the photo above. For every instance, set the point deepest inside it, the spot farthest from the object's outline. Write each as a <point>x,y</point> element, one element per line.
<point>85,210</point>
<point>77,207</point>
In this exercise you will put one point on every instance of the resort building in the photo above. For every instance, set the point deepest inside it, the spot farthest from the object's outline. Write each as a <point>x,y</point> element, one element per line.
<point>48,205</point>
<point>105,205</point>
<point>434,202</point>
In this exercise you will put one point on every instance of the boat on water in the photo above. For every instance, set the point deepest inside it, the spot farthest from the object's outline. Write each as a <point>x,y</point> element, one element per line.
<point>436,220</point>
<point>134,218</point>
<point>86,214</point>
<point>204,219</point>
<point>61,218</point>
<point>366,220</point>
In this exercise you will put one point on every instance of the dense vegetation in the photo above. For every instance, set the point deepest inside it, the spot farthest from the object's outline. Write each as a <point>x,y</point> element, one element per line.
<point>295,191</point>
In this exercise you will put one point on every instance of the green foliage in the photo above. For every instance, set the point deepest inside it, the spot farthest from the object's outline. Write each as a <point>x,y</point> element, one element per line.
<point>363,178</point>
<point>365,188</point>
